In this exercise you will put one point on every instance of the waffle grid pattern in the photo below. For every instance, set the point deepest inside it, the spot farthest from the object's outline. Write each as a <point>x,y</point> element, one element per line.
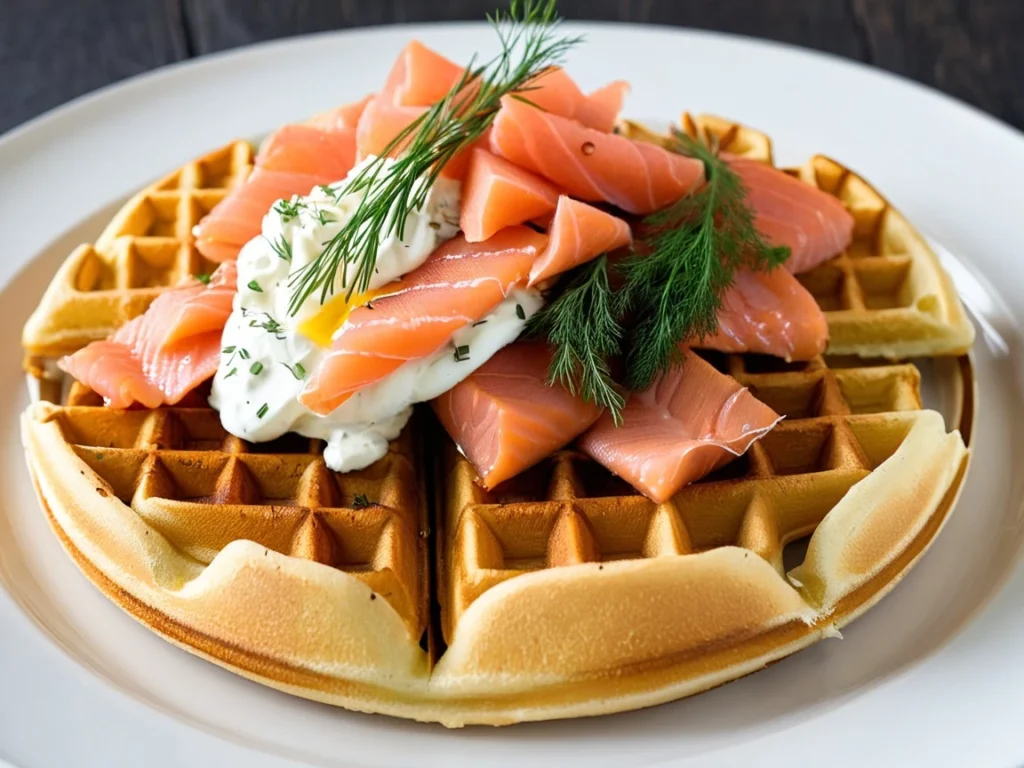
<point>841,422</point>
<point>202,488</point>
<point>872,273</point>
<point>887,294</point>
<point>147,247</point>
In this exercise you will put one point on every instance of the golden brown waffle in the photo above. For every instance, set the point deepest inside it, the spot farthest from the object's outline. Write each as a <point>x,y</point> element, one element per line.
<point>147,247</point>
<point>840,424</point>
<point>887,295</point>
<point>727,136</point>
<point>202,488</point>
<point>562,592</point>
<point>704,591</point>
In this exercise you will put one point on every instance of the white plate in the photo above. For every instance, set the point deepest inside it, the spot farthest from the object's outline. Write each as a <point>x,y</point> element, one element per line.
<point>933,675</point>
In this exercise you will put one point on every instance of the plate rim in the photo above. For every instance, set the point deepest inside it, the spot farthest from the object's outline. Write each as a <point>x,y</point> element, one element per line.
<point>24,133</point>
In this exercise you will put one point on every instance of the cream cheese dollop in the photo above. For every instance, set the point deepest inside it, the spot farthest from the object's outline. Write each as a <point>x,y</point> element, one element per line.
<point>265,358</point>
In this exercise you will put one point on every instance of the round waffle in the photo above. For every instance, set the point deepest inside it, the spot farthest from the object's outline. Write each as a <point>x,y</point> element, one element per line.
<point>406,589</point>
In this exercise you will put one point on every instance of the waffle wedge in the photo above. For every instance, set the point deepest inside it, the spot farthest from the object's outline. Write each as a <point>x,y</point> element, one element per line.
<point>887,295</point>
<point>146,247</point>
<point>254,556</point>
<point>565,580</point>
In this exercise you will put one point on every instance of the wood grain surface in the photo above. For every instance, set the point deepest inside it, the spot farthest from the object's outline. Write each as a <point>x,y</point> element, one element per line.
<point>54,50</point>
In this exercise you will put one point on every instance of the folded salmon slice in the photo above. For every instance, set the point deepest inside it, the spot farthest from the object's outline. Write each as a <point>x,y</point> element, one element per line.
<point>458,167</point>
<point>577,234</point>
<point>343,118</point>
<point>600,110</point>
<point>420,77</point>
<point>290,162</point>
<point>589,164</point>
<point>238,218</point>
<point>499,194</point>
<point>380,124</point>
<point>770,313</point>
<point>309,150</point>
<point>457,285</point>
<point>690,422</point>
<point>555,92</point>
<point>166,352</point>
<point>815,225</point>
<point>504,416</point>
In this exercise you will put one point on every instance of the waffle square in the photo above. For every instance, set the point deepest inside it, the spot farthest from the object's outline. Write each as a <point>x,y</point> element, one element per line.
<point>146,247</point>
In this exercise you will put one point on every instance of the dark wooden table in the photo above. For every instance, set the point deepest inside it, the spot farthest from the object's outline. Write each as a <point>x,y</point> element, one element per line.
<point>53,50</point>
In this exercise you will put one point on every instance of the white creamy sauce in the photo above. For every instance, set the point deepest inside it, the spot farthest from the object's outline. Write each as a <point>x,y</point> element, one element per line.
<point>266,360</point>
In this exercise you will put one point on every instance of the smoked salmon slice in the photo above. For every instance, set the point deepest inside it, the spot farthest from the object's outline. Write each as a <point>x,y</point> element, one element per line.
<point>290,162</point>
<point>420,77</point>
<point>815,225</point>
<point>504,416</point>
<point>166,352</point>
<point>555,92</point>
<point>458,166</point>
<point>499,194</point>
<point>304,149</point>
<point>578,233</point>
<point>770,313</point>
<point>690,422</point>
<point>380,123</point>
<point>344,118</point>
<point>589,164</point>
<point>600,110</point>
<point>457,285</point>
<point>238,218</point>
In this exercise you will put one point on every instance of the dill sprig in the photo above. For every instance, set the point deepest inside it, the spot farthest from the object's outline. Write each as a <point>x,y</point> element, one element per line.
<point>581,324</point>
<point>684,260</point>
<point>529,46</point>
